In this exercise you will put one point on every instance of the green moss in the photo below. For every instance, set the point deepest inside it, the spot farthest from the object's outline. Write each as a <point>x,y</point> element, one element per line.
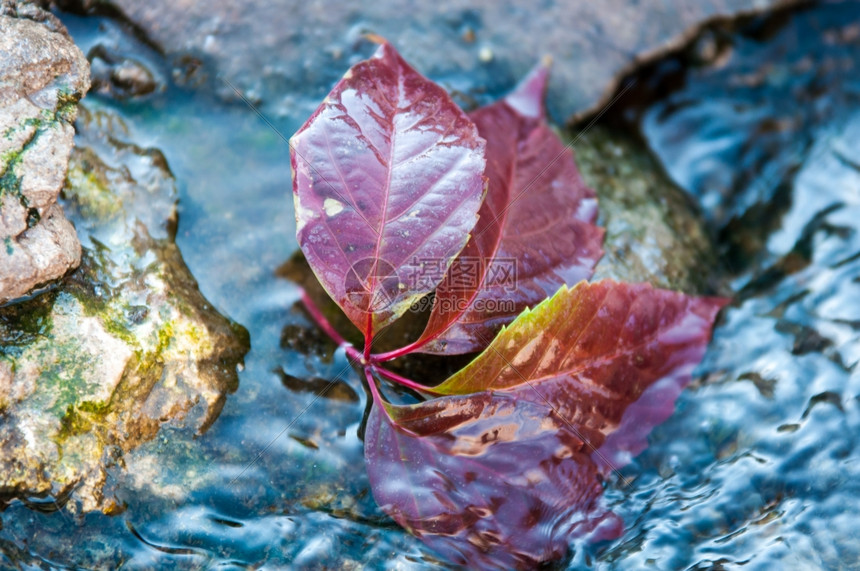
<point>25,323</point>
<point>88,186</point>
<point>9,157</point>
<point>94,407</point>
<point>67,379</point>
<point>66,110</point>
<point>10,182</point>
<point>7,242</point>
<point>116,323</point>
<point>113,315</point>
<point>79,419</point>
<point>67,105</point>
<point>65,373</point>
<point>43,117</point>
<point>165,335</point>
<point>196,335</point>
<point>148,364</point>
<point>93,286</point>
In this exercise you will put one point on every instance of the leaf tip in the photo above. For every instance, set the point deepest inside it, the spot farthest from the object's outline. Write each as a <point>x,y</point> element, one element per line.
<point>713,305</point>
<point>375,38</point>
<point>527,98</point>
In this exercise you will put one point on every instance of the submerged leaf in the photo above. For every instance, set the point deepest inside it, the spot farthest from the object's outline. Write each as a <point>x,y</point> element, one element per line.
<point>506,470</point>
<point>387,173</point>
<point>589,352</point>
<point>488,480</point>
<point>535,233</point>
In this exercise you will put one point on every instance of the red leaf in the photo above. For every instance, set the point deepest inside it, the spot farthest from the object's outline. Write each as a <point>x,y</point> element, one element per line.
<point>535,233</point>
<point>589,352</point>
<point>487,480</point>
<point>505,471</point>
<point>386,173</point>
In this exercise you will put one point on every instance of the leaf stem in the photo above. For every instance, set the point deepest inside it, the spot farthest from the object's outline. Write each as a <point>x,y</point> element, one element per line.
<point>356,355</point>
<point>405,350</point>
<point>379,401</point>
<point>323,323</point>
<point>368,338</point>
<point>352,353</point>
<point>374,390</point>
<point>408,383</point>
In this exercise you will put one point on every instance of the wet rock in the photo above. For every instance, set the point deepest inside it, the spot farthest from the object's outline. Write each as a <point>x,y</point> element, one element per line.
<point>120,75</point>
<point>39,254</point>
<point>654,232</point>
<point>332,389</point>
<point>95,366</point>
<point>42,76</point>
<point>286,51</point>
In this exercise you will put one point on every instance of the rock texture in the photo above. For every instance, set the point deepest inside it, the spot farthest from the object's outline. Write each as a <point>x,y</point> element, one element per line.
<point>285,52</point>
<point>94,367</point>
<point>42,76</point>
<point>654,232</point>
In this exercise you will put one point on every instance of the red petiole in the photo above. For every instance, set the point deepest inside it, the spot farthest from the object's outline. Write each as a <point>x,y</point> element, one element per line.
<point>369,360</point>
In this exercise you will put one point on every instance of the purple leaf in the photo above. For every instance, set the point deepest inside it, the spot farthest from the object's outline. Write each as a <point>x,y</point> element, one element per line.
<point>535,233</point>
<point>487,480</point>
<point>387,173</point>
<point>505,470</point>
<point>589,352</point>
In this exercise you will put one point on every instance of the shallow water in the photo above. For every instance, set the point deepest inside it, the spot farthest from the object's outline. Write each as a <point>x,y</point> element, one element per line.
<point>759,465</point>
<point>279,478</point>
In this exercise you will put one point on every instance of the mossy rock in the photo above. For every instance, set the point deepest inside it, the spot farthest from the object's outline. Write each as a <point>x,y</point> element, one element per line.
<point>654,232</point>
<point>42,77</point>
<point>97,365</point>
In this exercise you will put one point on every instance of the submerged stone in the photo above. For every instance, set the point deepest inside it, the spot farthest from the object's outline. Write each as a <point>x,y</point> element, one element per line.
<point>118,75</point>
<point>42,76</point>
<point>94,367</point>
<point>654,232</point>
